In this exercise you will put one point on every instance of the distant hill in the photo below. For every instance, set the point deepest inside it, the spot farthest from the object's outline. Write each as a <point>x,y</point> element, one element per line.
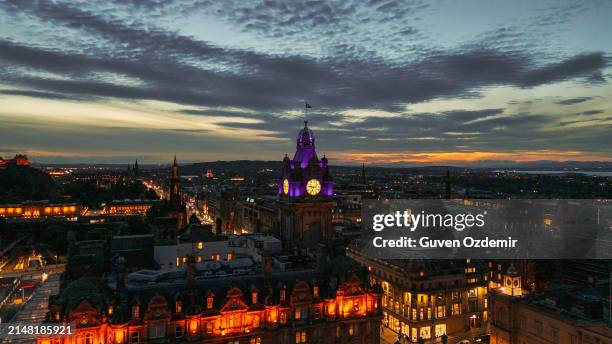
<point>563,165</point>
<point>247,166</point>
<point>239,167</point>
<point>21,183</point>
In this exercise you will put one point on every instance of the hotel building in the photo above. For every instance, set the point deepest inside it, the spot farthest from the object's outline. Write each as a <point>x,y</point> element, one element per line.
<point>425,299</point>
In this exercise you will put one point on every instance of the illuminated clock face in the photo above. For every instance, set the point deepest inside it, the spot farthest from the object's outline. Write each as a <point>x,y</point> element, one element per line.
<point>313,187</point>
<point>285,186</point>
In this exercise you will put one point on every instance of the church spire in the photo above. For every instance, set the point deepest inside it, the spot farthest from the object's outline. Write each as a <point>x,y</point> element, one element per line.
<point>363,175</point>
<point>175,196</point>
<point>447,184</point>
<point>174,168</point>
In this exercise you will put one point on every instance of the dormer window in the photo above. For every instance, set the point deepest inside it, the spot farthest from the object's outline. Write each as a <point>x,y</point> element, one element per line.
<point>179,306</point>
<point>298,313</point>
<point>136,312</point>
<point>254,296</point>
<point>316,291</point>
<point>209,302</point>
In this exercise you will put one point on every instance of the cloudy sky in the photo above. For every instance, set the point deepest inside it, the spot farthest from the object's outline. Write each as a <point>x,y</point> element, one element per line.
<point>390,81</point>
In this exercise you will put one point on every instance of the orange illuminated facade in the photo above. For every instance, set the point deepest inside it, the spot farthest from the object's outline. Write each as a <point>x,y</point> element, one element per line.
<point>351,314</point>
<point>39,210</point>
<point>18,160</point>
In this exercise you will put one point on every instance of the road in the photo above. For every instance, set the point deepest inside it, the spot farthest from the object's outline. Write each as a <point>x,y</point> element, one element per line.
<point>36,273</point>
<point>389,337</point>
<point>27,256</point>
<point>34,311</point>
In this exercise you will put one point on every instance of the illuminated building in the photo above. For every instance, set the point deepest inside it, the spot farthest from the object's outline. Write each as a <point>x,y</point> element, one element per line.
<point>248,311</point>
<point>128,207</point>
<point>565,313</point>
<point>18,160</point>
<point>305,191</point>
<point>39,210</point>
<point>256,215</point>
<point>222,207</point>
<point>428,298</point>
<point>104,179</point>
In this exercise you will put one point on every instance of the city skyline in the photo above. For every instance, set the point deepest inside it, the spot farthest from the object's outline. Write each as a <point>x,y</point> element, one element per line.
<point>389,81</point>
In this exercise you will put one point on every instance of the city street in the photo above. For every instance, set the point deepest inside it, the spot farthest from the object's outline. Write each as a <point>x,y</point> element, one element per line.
<point>33,312</point>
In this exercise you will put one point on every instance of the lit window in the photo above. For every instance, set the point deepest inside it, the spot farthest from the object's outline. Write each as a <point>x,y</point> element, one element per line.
<point>300,337</point>
<point>440,330</point>
<point>425,332</point>
<point>136,312</point>
<point>298,313</point>
<point>200,245</point>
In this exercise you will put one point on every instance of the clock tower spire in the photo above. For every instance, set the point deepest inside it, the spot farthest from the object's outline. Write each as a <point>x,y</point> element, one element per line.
<point>305,189</point>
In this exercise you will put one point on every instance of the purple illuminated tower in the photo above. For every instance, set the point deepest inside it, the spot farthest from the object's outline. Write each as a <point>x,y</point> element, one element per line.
<point>305,191</point>
<point>305,175</point>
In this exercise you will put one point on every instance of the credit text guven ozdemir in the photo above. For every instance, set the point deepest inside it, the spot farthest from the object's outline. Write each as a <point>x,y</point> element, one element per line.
<point>406,220</point>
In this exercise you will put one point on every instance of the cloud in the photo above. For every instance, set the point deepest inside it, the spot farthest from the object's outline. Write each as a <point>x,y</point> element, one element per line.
<point>271,81</point>
<point>591,112</point>
<point>378,56</point>
<point>587,65</point>
<point>592,121</point>
<point>34,94</point>
<point>572,101</point>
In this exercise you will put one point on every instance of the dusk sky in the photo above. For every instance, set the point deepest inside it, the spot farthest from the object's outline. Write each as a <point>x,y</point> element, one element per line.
<point>432,82</point>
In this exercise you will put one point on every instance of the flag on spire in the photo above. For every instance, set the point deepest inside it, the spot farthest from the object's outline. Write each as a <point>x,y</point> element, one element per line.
<point>307,106</point>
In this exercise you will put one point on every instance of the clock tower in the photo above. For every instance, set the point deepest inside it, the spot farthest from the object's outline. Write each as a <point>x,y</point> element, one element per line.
<point>305,191</point>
